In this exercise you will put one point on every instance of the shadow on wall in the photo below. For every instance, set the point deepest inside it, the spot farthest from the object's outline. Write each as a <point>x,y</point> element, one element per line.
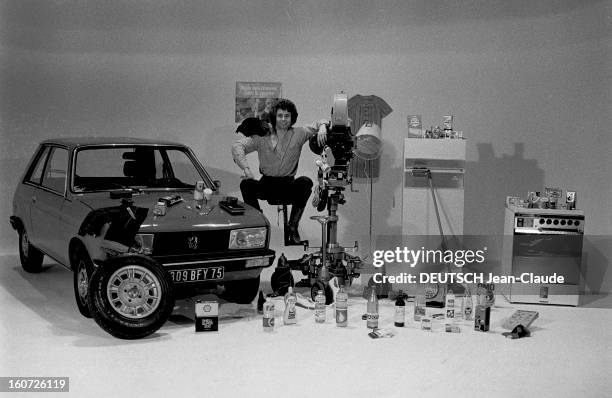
<point>379,194</point>
<point>489,180</point>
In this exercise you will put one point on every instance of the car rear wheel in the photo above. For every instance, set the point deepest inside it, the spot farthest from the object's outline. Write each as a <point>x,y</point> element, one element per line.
<point>83,269</point>
<point>31,258</point>
<point>241,291</point>
<point>130,297</point>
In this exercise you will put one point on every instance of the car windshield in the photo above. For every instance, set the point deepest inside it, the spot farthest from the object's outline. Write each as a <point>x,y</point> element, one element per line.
<point>135,167</point>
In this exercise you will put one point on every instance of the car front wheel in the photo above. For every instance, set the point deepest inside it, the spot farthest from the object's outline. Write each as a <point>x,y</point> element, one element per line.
<point>130,297</point>
<point>31,258</point>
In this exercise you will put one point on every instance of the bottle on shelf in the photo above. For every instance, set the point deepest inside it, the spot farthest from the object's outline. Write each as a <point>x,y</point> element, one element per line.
<point>341,307</point>
<point>289,317</point>
<point>320,307</point>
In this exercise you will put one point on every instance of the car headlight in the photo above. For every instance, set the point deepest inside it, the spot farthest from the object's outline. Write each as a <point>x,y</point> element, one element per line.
<point>248,238</point>
<point>143,245</point>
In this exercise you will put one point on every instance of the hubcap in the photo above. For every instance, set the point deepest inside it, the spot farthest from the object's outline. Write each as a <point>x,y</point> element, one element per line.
<point>134,292</point>
<point>25,243</point>
<point>82,281</point>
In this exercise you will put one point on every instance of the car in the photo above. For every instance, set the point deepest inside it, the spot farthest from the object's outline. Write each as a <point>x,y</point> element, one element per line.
<point>140,223</point>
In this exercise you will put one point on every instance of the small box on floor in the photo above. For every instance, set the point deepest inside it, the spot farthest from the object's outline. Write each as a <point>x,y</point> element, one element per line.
<point>206,316</point>
<point>482,317</point>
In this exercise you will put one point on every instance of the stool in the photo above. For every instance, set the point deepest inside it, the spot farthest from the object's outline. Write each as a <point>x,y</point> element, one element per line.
<point>281,206</point>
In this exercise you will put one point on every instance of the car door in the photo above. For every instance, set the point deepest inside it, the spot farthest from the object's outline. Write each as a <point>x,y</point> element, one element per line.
<point>31,184</point>
<point>47,201</point>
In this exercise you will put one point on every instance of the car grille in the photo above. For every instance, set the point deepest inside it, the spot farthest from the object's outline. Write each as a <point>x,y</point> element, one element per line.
<point>185,243</point>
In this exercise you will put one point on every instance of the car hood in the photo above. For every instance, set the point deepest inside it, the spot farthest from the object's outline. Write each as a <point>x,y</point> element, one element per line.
<point>184,215</point>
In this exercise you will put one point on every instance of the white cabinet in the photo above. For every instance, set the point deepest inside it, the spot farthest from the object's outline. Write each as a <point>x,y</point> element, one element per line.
<point>445,160</point>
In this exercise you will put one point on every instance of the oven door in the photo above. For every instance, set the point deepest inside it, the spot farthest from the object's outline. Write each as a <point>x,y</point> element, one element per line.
<point>545,254</point>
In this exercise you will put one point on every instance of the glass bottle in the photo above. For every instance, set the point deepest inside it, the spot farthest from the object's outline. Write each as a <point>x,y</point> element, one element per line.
<point>372,310</point>
<point>400,310</point>
<point>289,317</point>
<point>268,315</point>
<point>320,307</point>
<point>341,307</point>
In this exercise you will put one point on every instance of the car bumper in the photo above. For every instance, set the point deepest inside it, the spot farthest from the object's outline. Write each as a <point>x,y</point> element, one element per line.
<point>207,271</point>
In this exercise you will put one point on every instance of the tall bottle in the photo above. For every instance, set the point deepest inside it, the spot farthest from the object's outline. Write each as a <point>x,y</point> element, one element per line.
<point>467,307</point>
<point>268,315</point>
<point>372,310</point>
<point>419,306</point>
<point>260,302</point>
<point>400,310</point>
<point>320,307</point>
<point>341,307</point>
<point>450,306</point>
<point>289,317</point>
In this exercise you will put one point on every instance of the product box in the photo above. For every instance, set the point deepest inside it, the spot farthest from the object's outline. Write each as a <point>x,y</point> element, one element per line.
<point>570,200</point>
<point>206,316</point>
<point>482,318</point>
<point>415,126</point>
<point>447,122</point>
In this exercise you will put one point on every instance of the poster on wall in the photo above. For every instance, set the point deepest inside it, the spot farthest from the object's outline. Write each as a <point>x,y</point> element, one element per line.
<point>255,99</point>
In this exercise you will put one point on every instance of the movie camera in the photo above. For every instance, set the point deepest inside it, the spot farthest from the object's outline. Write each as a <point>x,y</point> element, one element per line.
<point>333,175</point>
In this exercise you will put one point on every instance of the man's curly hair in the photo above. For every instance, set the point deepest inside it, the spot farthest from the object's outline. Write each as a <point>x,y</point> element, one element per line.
<point>285,105</point>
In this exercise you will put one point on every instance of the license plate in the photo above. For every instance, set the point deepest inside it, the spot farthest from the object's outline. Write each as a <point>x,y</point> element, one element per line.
<point>197,274</point>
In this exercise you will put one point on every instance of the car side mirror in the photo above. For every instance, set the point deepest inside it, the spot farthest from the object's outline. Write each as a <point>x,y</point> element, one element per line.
<point>217,184</point>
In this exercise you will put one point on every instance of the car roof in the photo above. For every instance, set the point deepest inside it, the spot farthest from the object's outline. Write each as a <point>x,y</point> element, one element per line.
<point>74,142</point>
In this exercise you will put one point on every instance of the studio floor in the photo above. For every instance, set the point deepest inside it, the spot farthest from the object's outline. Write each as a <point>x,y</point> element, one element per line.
<point>42,334</point>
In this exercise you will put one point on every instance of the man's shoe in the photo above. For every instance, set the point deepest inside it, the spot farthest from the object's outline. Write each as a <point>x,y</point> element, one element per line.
<point>293,237</point>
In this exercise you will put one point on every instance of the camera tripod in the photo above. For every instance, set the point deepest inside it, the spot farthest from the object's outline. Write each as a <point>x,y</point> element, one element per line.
<point>325,262</point>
